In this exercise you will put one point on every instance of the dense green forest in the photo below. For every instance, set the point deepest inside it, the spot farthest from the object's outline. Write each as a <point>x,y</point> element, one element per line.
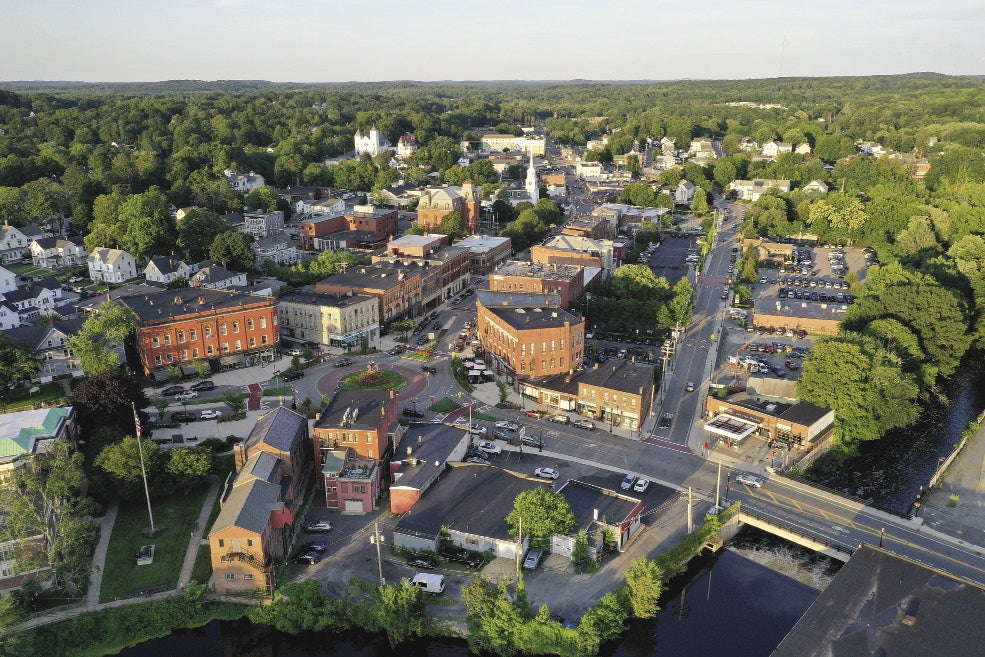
<point>113,156</point>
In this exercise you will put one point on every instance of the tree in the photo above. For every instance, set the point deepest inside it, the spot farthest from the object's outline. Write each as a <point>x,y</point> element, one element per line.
<point>263,198</point>
<point>16,363</point>
<point>189,466</point>
<point>46,500</point>
<point>121,461</point>
<point>699,204</point>
<point>548,211</point>
<point>404,326</point>
<point>542,512</point>
<point>453,224</point>
<point>197,231</point>
<point>109,327</point>
<point>233,250</point>
<point>104,400</point>
<point>235,401</point>
<point>148,227</point>
<point>644,582</point>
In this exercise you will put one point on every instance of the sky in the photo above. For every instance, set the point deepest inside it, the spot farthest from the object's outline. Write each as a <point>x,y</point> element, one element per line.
<point>374,40</point>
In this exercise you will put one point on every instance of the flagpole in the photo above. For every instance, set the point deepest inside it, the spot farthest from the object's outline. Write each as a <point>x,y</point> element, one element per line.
<point>143,469</point>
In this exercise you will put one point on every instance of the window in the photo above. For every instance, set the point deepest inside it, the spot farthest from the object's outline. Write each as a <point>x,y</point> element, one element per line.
<point>195,352</point>
<point>248,577</point>
<point>235,327</point>
<point>167,339</point>
<point>249,325</point>
<point>170,358</point>
<point>263,339</point>
<point>543,364</point>
<point>552,363</point>
<point>230,577</point>
<point>523,367</point>
<point>553,345</point>
<point>222,329</point>
<point>225,347</point>
<point>155,341</point>
<point>181,336</point>
<point>239,345</point>
<point>210,350</point>
<point>184,354</point>
<point>249,542</point>
<point>157,359</point>
<point>208,331</point>
<point>193,335</point>
<point>222,543</point>
<point>263,322</point>
<point>562,344</point>
<point>543,347</point>
<point>523,350</point>
<point>253,342</point>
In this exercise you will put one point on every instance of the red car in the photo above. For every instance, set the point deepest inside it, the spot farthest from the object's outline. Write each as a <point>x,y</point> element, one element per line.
<point>790,365</point>
<point>536,414</point>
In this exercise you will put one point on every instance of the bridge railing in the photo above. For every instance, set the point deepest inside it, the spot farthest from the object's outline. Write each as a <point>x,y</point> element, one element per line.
<point>827,489</point>
<point>798,530</point>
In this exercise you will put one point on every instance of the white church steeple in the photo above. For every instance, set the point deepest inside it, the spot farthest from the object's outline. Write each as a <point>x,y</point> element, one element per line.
<point>533,191</point>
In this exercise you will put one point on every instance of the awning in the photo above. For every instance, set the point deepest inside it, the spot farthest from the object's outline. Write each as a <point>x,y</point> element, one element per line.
<point>730,426</point>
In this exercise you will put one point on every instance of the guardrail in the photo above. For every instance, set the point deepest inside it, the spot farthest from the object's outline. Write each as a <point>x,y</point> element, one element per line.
<point>827,489</point>
<point>797,530</point>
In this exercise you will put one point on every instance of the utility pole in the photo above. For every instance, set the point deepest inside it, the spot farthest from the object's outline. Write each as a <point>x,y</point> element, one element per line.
<point>690,520</point>
<point>378,538</point>
<point>718,487</point>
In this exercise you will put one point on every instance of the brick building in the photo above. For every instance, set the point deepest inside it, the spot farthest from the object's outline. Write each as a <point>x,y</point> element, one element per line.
<point>436,203</point>
<point>363,218</point>
<point>258,522</point>
<point>452,262</point>
<point>399,289</point>
<point>814,317</point>
<point>596,228</point>
<point>530,342</point>
<point>566,282</point>
<point>228,329</point>
<point>581,251</point>
<point>486,252</point>
<point>741,415</point>
<point>337,320</point>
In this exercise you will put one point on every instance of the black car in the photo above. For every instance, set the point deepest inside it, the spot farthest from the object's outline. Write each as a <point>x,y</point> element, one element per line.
<point>429,369</point>
<point>423,561</point>
<point>181,416</point>
<point>204,385</point>
<point>436,326</point>
<point>532,441</point>
<point>172,390</point>
<point>410,412</point>
<point>461,555</point>
<point>293,375</point>
<point>342,362</point>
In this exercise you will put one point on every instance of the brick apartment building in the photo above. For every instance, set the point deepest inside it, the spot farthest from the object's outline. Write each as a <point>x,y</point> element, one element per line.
<point>228,329</point>
<point>566,282</point>
<point>596,228</point>
<point>530,342</point>
<point>363,218</point>
<point>400,289</point>
<point>452,262</point>
<point>581,251</point>
<point>486,252</point>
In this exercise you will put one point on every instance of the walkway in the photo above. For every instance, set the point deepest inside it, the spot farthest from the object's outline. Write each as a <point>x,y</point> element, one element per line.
<point>253,403</point>
<point>99,556</point>
<point>198,534</point>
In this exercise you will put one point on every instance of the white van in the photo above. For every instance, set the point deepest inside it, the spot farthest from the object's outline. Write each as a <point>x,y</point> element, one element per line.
<point>432,583</point>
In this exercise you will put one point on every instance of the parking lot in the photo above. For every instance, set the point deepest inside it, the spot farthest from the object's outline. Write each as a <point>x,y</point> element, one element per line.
<point>668,259</point>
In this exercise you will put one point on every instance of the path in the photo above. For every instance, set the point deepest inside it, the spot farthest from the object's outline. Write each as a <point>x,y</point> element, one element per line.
<point>99,556</point>
<point>197,536</point>
<point>253,403</point>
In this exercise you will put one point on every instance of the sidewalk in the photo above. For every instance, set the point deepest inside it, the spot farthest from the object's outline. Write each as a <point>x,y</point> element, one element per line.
<point>965,478</point>
<point>198,534</point>
<point>99,555</point>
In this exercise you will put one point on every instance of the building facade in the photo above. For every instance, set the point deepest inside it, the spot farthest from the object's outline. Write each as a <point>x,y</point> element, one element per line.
<point>328,319</point>
<point>486,252</point>
<point>530,342</point>
<point>566,282</point>
<point>111,266</point>
<point>436,203</point>
<point>399,290</point>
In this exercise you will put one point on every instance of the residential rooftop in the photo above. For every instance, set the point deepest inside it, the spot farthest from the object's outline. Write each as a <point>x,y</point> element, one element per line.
<point>540,270</point>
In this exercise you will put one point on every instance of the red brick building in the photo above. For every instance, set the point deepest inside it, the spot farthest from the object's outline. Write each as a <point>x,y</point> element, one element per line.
<point>452,262</point>
<point>365,218</point>
<point>436,203</point>
<point>566,282</point>
<point>228,329</point>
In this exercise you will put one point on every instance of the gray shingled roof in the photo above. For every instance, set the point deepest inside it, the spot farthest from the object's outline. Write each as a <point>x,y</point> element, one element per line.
<point>262,465</point>
<point>248,507</point>
<point>278,428</point>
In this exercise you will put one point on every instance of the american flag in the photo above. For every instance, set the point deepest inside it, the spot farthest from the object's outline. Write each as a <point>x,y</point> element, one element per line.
<point>136,422</point>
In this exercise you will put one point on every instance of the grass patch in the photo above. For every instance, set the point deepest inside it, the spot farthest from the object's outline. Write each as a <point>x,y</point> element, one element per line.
<point>446,405</point>
<point>202,570</point>
<point>279,391</point>
<point>423,354</point>
<point>122,577</point>
<point>953,500</point>
<point>461,376</point>
<point>484,417</point>
<point>378,380</point>
<point>21,397</point>
<point>32,270</point>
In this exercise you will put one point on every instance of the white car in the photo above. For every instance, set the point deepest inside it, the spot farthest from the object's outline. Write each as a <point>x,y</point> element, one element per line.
<point>489,447</point>
<point>189,394</point>
<point>749,480</point>
<point>211,414</point>
<point>547,473</point>
<point>503,425</point>
<point>641,485</point>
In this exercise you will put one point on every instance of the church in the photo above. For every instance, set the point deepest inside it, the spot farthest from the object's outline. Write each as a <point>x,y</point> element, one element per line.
<point>373,143</point>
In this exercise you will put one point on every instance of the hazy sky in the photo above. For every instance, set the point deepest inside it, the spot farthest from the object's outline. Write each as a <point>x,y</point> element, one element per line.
<point>340,40</point>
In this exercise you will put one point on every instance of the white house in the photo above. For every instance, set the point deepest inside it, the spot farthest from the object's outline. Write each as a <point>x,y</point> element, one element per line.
<point>774,149</point>
<point>15,243</point>
<point>325,206</point>
<point>262,224</point>
<point>406,145</point>
<point>702,149</point>
<point>8,280</point>
<point>164,269</point>
<point>590,170</point>
<point>34,299</point>
<point>684,192</point>
<point>9,317</point>
<point>373,142</point>
<point>217,278</point>
<point>802,149</point>
<point>751,190</point>
<point>244,182</point>
<point>111,266</point>
<point>667,146</point>
<point>50,342</point>
<point>816,187</point>
<point>279,248</point>
<point>58,252</point>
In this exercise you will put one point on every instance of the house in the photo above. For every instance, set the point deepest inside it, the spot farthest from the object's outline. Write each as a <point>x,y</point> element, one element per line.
<point>8,280</point>
<point>486,252</point>
<point>872,148</point>
<point>600,513</point>
<point>262,224</point>
<point>684,192</point>
<point>244,182</point>
<point>702,150</point>
<point>773,149</point>
<point>305,207</point>
<point>590,171</point>
<point>406,145</point>
<point>556,184</point>
<point>49,340</point>
<point>751,190</point>
<point>363,421</point>
<point>34,299</point>
<point>668,146</point>
<point>343,320</point>
<point>374,142</point>
<point>15,243</point>
<point>802,149</point>
<point>23,436</point>
<point>530,341</point>
<point>164,269</point>
<point>352,484</point>
<point>229,329</point>
<point>9,317</point>
<point>816,187</point>
<point>279,248</point>
<point>468,503</point>
<point>111,266</point>
<point>258,521</point>
<point>58,252</point>
<point>217,278</point>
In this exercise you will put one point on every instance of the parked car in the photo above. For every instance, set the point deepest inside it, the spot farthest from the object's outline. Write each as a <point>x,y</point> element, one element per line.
<point>560,419</point>
<point>477,459</point>
<point>172,390</point>
<point>410,412</point>
<point>293,375</point>
<point>319,527</point>
<point>188,394</point>
<point>489,447</point>
<point>314,546</point>
<point>790,365</point>
<point>641,485</point>
<point>202,386</point>
<point>583,424</point>
<point>429,369</point>
<point>749,480</point>
<point>211,414</point>
<point>395,351</point>
<point>532,560</point>
<point>502,434</point>
<point>507,426</point>
<point>183,417</point>
<point>461,555</point>
<point>547,473</point>
<point>628,482</point>
<point>342,362</point>
<point>535,413</point>
<point>666,420</point>
<point>310,558</point>
<point>532,441</point>
<point>423,561</point>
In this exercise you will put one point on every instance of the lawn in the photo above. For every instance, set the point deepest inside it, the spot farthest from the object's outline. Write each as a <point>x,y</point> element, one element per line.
<point>21,397</point>
<point>280,391</point>
<point>31,270</point>
<point>122,577</point>
<point>378,380</point>
<point>203,565</point>
<point>446,405</point>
